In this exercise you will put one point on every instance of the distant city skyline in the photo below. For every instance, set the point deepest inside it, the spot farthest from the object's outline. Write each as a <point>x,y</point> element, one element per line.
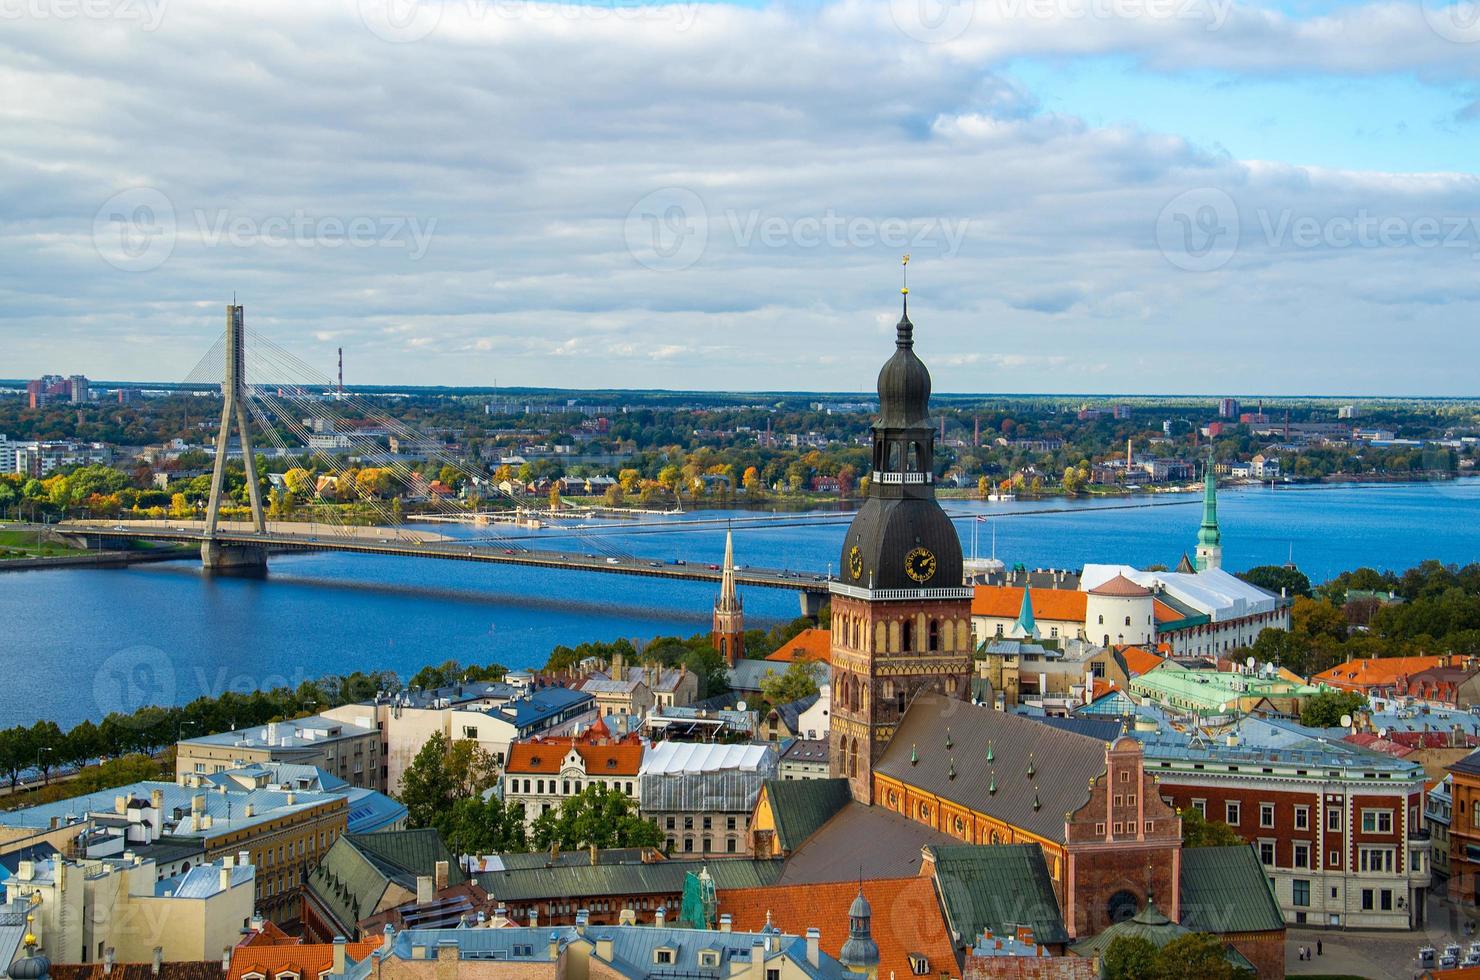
<point>1219,196</point>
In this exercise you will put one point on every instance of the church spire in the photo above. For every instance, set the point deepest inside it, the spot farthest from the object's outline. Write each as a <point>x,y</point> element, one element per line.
<point>1209,538</point>
<point>1026,626</point>
<point>728,632</point>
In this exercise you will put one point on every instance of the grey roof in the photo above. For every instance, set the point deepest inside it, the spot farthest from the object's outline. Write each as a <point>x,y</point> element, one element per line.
<point>201,881</point>
<point>805,750</point>
<point>998,887</point>
<point>1063,762</point>
<point>632,952</point>
<point>746,675</point>
<point>652,878</point>
<point>792,711</point>
<point>1224,890</point>
<point>299,733</point>
<point>1104,729</point>
<point>866,840</point>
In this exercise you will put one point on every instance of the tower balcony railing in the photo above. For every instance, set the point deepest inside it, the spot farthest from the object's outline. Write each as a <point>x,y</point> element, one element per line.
<point>861,592</point>
<point>887,476</point>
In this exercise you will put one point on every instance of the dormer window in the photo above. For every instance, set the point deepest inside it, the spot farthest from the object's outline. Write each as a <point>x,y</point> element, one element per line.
<point>709,957</point>
<point>919,964</point>
<point>663,955</point>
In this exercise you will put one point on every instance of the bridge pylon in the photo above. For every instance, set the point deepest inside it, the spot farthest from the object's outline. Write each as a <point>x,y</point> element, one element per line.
<point>213,553</point>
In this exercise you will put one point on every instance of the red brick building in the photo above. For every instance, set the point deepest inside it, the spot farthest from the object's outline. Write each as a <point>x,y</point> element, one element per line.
<point>1338,829</point>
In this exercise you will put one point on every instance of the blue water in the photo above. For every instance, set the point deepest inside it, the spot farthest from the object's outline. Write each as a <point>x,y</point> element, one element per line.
<point>80,643</point>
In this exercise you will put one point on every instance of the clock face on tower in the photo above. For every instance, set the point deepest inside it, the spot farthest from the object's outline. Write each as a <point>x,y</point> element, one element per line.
<point>855,563</point>
<point>919,564</point>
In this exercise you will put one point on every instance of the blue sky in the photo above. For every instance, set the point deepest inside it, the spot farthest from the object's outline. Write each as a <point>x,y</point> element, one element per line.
<point>1099,195</point>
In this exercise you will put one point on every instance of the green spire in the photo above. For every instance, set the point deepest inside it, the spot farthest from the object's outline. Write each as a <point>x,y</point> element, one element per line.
<point>1209,539</point>
<point>1026,625</point>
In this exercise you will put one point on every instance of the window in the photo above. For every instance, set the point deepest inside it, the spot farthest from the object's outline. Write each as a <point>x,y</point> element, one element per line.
<point>668,823</point>
<point>1333,860</point>
<point>1377,821</point>
<point>707,821</point>
<point>1099,830</point>
<point>1333,820</point>
<point>1375,859</point>
<point>1302,855</point>
<point>708,957</point>
<point>1232,813</point>
<point>1201,806</point>
<point>730,845</point>
<point>662,956</point>
<point>1266,814</point>
<point>919,965</point>
<point>1369,900</point>
<point>729,823</point>
<point>1266,853</point>
<point>1386,896</point>
<point>1302,818</point>
<point>470,731</point>
<point>1302,891</point>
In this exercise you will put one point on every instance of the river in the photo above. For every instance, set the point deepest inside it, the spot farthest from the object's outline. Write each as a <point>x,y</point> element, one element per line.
<point>82,642</point>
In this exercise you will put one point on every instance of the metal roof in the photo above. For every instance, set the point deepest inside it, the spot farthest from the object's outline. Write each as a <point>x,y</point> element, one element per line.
<point>671,758</point>
<point>1224,889</point>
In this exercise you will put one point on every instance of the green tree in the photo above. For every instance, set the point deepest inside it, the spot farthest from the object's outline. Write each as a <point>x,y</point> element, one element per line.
<point>427,786</point>
<point>1197,954</point>
<point>1324,710</point>
<point>1312,618</point>
<point>1199,831</point>
<point>596,816</point>
<point>1130,958</point>
<point>793,684</point>
<point>486,826</point>
<point>17,753</point>
<point>1274,578</point>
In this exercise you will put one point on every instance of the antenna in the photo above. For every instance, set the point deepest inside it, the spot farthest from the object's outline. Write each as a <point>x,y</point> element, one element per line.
<point>341,372</point>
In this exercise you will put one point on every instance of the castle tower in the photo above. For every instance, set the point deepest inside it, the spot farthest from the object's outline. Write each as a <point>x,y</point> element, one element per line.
<point>1209,539</point>
<point>728,630</point>
<point>901,617</point>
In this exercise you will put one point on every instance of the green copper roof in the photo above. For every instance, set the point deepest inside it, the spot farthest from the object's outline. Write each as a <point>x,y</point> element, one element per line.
<point>1224,890</point>
<point>1026,624</point>
<point>801,806</point>
<point>998,887</point>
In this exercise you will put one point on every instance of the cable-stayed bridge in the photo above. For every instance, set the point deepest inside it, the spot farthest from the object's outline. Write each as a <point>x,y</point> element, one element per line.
<point>274,402</point>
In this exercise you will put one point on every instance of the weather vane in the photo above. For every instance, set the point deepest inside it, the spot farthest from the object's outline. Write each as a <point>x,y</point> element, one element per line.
<point>905,264</point>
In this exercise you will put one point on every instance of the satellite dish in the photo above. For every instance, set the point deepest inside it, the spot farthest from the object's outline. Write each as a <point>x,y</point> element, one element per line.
<point>1346,721</point>
<point>739,705</point>
<point>1250,661</point>
<point>1223,706</point>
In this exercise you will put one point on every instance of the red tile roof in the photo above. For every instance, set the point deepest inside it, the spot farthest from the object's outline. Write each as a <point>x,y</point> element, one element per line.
<point>547,756</point>
<point>907,918</point>
<point>1120,587</point>
<point>270,958</point>
<point>809,644</point>
<point>1139,660</point>
<point>1006,601</point>
<point>1367,672</point>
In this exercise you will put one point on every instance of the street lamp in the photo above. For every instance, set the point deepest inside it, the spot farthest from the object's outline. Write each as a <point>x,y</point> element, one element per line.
<point>46,773</point>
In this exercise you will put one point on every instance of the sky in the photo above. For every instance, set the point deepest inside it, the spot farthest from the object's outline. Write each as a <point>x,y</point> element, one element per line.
<point>1135,196</point>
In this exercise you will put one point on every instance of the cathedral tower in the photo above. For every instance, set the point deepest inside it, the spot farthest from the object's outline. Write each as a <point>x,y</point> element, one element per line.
<point>901,617</point>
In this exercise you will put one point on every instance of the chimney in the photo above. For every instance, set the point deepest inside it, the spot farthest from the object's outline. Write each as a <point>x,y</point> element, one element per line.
<point>340,944</point>
<point>554,947</point>
<point>627,917</point>
<point>156,799</point>
<point>389,932</point>
<point>605,948</point>
<point>660,917</point>
<point>109,958</point>
<point>158,960</point>
<point>440,875</point>
<point>534,918</point>
<point>244,858</point>
<point>725,923</point>
<point>256,922</point>
<point>225,875</point>
<point>225,959</point>
<point>814,941</point>
<point>425,890</point>
<point>757,958</point>
<point>120,805</point>
<point>593,855</point>
<point>583,919</point>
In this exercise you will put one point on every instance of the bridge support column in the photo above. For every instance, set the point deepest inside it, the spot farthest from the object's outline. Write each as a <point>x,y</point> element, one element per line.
<point>238,558</point>
<point>812,603</point>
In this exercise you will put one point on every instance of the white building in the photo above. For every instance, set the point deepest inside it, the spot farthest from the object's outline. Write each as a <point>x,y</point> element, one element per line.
<point>1223,612</point>
<point>701,794</point>
<point>543,773</point>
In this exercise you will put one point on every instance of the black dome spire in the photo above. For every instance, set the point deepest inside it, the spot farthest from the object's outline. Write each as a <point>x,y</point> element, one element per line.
<point>904,382</point>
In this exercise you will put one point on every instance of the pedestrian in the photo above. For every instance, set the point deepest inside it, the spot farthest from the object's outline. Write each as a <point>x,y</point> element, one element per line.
<point>1318,947</point>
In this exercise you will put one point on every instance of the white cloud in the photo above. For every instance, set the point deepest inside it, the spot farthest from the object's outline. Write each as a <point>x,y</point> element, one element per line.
<point>524,137</point>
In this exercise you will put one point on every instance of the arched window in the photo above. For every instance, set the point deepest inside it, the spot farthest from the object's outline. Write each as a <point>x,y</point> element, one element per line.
<point>893,464</point>
<point>1106,642</point>
<point>1102,619</point>
<point>1127,620</point>
<point>913,462</point>
<point>906,639</point>
<point>934,635</point>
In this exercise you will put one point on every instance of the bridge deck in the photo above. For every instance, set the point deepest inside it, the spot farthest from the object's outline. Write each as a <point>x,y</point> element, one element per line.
<point>385,541</point>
